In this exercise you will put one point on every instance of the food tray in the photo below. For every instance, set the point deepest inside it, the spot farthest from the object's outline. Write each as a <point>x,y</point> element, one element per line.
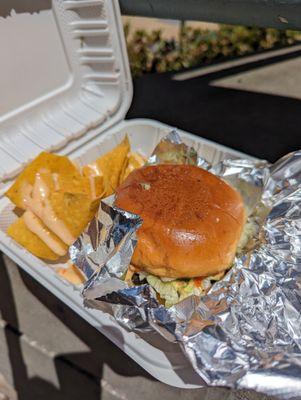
<point>169,365</point>
<point>66,87</point>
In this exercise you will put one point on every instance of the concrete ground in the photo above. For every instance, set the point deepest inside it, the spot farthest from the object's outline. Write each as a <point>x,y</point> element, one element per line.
<point>47,351</point>
<point>252,104</point>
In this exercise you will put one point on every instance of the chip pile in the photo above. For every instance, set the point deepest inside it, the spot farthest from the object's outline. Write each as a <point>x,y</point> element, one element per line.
<point>55,199</point>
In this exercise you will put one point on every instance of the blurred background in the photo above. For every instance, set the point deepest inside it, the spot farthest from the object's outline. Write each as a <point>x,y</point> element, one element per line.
<point>159,45</point>
<point>236,85</point>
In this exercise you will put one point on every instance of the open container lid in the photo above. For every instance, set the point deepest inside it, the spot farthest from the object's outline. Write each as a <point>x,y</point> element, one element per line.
<point>64,78</point>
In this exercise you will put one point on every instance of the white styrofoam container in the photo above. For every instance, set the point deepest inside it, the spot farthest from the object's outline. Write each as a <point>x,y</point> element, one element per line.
<point>66,87</point>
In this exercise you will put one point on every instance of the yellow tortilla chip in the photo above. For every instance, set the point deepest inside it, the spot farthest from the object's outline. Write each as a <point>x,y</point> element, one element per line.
<point>135,160</point>
<point>72,274</point>
<point>44,162</point>
<point>71,199</point>
<point>96,186</point>
<point>110,166</point>
<point>93,186</point>
<point>30,241</point>
<point>71,183</point>
<point>59,213</point>
<point>75,210</point>
<point>36,226</point>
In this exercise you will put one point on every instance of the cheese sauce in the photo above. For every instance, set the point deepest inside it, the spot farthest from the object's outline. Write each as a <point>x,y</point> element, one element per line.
<point>36,199</point>
<point>36,226</point>
<point>92,186</point>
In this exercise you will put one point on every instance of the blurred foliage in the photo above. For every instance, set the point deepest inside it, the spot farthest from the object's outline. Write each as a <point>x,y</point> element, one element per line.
<point>150,52</point>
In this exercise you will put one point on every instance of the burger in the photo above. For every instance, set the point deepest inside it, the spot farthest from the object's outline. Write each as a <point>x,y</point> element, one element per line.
<point>193,223</point>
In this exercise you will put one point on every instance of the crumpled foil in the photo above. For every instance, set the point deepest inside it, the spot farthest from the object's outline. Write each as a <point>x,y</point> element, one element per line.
<point>246,331</point>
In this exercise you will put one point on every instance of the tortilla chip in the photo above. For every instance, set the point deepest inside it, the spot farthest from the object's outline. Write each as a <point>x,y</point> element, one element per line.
<point>110,166</point>
<point>135,160</point>
<point>74,209</point>
<point>93,186</point>
<point>31,242</point>
<point>43,162</point>
<point>72,274</point>
<point>72,183</point>
<point>96,187</point>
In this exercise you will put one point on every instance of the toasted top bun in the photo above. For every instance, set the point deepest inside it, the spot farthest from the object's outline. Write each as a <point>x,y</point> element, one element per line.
<point>192,220</point>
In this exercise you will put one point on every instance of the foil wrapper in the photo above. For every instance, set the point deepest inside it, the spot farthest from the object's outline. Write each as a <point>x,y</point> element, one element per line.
<point>246,331</point>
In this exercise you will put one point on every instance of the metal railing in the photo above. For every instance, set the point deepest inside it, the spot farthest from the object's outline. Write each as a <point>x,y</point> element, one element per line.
<point>281,14</point>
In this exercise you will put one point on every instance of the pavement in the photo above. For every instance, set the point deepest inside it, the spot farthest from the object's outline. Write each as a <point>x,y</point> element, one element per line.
<point>46,350</point>
<point>251,104</point>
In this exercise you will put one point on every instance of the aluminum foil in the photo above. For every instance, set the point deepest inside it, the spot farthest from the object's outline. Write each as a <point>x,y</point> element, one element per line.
<point>246,331</point>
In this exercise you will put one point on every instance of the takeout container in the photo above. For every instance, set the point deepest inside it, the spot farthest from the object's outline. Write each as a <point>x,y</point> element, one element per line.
<point>66,87</point>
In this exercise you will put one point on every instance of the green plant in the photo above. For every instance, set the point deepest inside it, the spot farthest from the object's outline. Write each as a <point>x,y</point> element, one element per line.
<point>150,52</point>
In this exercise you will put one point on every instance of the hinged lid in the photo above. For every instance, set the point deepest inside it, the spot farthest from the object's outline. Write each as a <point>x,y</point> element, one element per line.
<point>64,77</point>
